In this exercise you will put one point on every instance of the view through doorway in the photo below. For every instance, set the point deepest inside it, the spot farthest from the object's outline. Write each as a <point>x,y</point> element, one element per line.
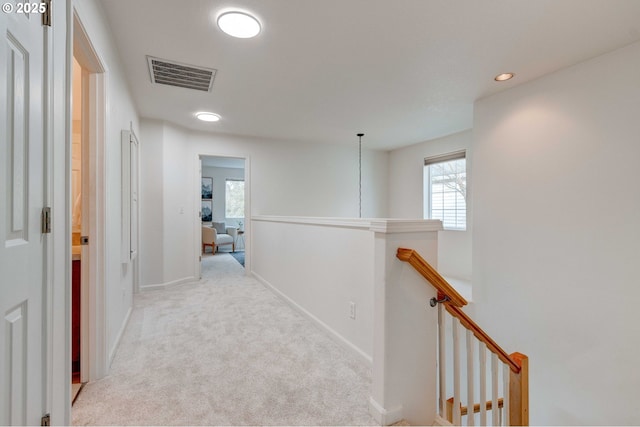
<point>76,233</point>
<point>223,207</point>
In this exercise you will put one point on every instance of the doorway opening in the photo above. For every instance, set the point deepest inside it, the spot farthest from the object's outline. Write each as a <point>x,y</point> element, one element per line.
<point>223,207</point>
<point>76,231</point>
<point>86,205</point>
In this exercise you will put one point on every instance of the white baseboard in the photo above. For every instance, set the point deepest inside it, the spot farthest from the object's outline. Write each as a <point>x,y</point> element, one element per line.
<point>384,416</point>
<point>156,287</point>
<point>439,421</point>
<point>335,335</point>
<point>113,350</point>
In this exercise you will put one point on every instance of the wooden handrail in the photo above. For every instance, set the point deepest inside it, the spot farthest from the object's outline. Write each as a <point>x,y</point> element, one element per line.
<point>482,336</point>
<point>432,276</point>
<point>455,302</point>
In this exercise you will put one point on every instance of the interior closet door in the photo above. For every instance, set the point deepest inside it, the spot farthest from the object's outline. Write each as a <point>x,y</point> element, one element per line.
<point>22,242</point>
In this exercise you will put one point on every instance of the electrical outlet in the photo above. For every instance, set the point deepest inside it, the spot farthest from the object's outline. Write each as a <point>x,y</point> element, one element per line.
<point>352,310</point>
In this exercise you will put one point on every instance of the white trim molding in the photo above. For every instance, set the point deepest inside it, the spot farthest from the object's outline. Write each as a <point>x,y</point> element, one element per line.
<point>356,223</point>
<point>384,416</point>
<point>388,226</point>
<point>377,225</point>
<point>439,421</point>
<point>123,327</point>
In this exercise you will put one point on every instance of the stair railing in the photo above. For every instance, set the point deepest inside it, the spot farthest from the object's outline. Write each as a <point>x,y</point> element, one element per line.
<point>512,381</point>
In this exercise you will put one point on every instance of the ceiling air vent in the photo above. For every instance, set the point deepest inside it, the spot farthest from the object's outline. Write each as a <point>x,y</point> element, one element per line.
<point>181,75</point>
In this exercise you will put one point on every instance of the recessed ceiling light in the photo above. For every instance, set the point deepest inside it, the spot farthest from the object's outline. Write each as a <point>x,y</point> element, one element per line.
<point>503,77</point>
<point>239,24</point>
<point>207,117</point>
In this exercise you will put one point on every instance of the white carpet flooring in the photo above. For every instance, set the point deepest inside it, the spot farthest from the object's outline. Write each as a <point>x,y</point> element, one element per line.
<point>225,351</point>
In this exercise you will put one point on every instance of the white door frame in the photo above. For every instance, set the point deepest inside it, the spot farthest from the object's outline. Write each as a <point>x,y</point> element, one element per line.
<point>58,189</point>
<point>197,226</point>
<point>94,357</point>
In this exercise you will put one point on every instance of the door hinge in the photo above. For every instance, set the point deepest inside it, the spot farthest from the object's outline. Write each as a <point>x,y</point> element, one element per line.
<point>46,220</point>
<point>46,420</point>
<point>46,16</point>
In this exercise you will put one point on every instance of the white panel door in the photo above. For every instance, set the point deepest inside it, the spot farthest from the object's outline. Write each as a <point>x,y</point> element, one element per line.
<point>22,279</point>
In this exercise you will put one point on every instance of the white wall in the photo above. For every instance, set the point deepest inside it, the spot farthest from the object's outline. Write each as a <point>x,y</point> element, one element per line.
<point>307,264</point>
<point>286,178</point>
<point>120,113</point>
<point>556,238</point>
<point>151,203</point>
<point>406,198</point>
<point>220,175</point>
<point>178,191</point>
<point>309,180</point>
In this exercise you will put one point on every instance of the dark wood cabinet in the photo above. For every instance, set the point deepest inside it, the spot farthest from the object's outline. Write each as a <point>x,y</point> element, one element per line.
<point>75,319</point>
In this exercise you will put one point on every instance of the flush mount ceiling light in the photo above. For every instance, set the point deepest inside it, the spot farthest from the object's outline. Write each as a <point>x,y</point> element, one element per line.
<point>503,77</point>
<point>239,24</point>
<point>207,117</point>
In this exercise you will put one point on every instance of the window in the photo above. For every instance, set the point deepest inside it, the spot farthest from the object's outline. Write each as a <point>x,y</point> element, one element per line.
<point>445,183</point>
<point>234,198</point>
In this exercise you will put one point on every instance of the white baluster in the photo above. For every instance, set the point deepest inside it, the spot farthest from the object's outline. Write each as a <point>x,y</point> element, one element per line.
<point>456,373</point>
<point>442,357</point>
<point>495,412</point>
<point>505,387</point>
<point>482,349</point>
<point>470,378</point>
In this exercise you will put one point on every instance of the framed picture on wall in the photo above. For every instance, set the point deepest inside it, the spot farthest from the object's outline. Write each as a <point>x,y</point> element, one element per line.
<point>207,188</point>
<point>207,210</point>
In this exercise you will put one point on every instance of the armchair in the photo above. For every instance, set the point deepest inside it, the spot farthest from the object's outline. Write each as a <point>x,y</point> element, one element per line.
<point>212,236</point>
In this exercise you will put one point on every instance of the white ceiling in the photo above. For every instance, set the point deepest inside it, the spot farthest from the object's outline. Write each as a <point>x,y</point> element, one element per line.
<point>401,71</point>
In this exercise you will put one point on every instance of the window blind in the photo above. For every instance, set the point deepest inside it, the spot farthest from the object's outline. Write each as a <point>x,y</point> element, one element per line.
<point>445,187</point>
<point>455,155</point>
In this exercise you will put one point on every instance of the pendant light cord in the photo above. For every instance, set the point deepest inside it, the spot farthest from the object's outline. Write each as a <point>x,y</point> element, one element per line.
<point>360,135</point>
